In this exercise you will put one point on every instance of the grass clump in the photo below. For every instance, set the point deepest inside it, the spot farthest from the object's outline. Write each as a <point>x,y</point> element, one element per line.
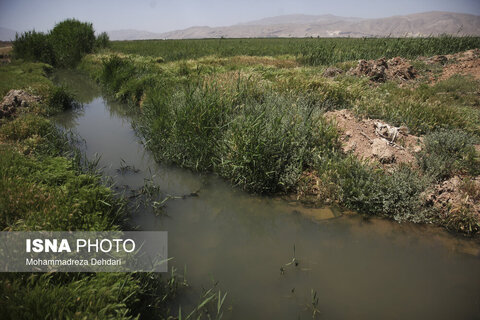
<point>448,152</point>
<point>268,144</point>
<point>188,126</point>
<point>59,99</point>
<point>462,219</point>
<point>262,142</point>
<point>125,80</point>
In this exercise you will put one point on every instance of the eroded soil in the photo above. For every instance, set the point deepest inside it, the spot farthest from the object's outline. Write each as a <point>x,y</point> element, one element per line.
<point>363,139</point>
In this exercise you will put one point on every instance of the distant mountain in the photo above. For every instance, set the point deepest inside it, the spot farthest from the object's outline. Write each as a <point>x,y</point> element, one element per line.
<point>7,34</point>
<point>130,34</point>
<point>301,19</point>
<point>300,25</point>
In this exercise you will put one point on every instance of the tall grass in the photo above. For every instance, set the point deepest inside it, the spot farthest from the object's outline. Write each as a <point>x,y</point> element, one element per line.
<point>310,51</point>
<point>261,142</point>
<point>268,144</point>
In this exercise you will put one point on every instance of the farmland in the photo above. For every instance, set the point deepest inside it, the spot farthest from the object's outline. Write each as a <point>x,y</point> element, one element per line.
<point>310,51</point>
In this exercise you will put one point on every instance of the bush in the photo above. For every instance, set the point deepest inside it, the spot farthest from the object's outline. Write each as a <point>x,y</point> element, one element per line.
<point>448,152</point>
<point>33,46</point>
<point>366,189</point>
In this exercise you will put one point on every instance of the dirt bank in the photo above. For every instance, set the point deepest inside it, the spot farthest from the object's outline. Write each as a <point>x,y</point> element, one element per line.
<point>458,202</point>
<point>370,139</point>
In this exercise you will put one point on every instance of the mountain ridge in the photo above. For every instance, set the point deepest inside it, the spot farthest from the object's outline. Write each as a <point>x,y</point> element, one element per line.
<point>326,25</point>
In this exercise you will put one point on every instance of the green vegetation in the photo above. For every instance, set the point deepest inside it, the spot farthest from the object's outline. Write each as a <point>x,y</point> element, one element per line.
<point>63,46</point>
<point>310,51</point>
<point>71,40</point>
<point>269,143</point>
<point>449,104</point>
<point>45,186</point>
<point>448,152</point>
<point>258,140</point>
<point>224,106</point>
<point>27,75</point>
<point>367,189</point>
<point>34,46</point>
<point>32,77</point>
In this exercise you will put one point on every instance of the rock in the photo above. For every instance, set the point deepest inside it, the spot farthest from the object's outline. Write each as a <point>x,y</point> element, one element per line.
<point>15,99</point>
<point>382,151</point>
<point>332,72</point>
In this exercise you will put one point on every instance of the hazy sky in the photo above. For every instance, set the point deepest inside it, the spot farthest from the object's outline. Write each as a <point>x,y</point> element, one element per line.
<point>165,15</point>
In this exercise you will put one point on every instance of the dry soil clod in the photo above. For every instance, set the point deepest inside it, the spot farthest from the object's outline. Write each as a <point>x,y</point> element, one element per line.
<point>381,70</point>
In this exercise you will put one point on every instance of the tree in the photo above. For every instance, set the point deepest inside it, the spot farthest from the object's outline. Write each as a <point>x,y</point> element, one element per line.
<point>71,40</point>
<point>102,41</point>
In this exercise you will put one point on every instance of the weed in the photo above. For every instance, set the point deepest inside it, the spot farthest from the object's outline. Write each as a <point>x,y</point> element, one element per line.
<point>462,219</point>
<point>59,99</point>
<point>448,152</point>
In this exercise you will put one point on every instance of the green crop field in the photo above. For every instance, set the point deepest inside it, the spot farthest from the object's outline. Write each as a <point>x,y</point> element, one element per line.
<point>312,51</point>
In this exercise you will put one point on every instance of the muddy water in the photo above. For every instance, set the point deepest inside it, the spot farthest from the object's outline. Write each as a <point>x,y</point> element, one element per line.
<point>359,269</point>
